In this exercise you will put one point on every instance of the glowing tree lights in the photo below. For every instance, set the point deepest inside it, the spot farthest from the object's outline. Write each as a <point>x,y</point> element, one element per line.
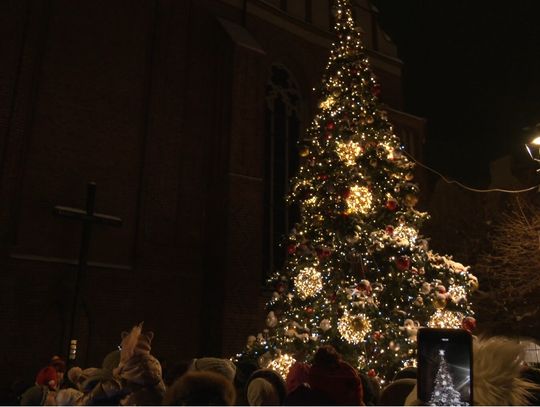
<point>358,200</point>
<point>308,282</point>
<point>354,328</point>
<point>357,274</point>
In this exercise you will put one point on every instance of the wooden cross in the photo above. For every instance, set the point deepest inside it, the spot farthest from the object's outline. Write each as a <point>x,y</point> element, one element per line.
<point>88,217</point>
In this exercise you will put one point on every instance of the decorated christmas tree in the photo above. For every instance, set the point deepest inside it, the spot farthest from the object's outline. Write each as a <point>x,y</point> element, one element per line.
<point>444,393</point>
<point>357,274</point>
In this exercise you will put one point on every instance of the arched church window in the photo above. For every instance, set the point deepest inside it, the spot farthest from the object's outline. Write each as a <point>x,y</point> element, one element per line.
<point>282,132</point>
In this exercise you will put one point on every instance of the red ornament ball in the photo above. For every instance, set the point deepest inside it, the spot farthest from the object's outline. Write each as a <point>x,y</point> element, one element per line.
<point>309,310</point>
<point>372,373</point>
<point>323,253</point>
<point>468,323</point>
<point>376,89</point>
<point>377,335</point>
<point>403,263</point>
<point>291,249</point>
<point>389,229</point>
<point>330,125</point>
<point>391,205</point>
<point>280,287</point>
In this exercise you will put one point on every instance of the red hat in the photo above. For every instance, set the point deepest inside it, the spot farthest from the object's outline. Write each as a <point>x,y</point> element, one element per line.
<point>47,377</point>
<point>340,384</point>
<point>298,375</point>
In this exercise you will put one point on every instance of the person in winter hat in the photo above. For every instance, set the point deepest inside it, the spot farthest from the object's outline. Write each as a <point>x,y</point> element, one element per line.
<point>335,379</point>
<point>200,388</point>
<point>138,370</point>
<point>52,375</point>
<point>497,374</point>
<point>298,375</point>
<point>84,380</point>
<point>244,370</point>
<point>100,387</point>
<point>224,367</point>
<point>38,396</point>
<point>48,377</point>
<point>265,387</point>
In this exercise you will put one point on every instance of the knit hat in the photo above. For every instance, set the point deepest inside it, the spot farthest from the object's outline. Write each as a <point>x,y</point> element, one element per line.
<point>111,361</point>
<point>224,367</point>
<point>144,370</point>
<point>497,380</point>
<point>47,377</point>
<point>136,364</point>
<point>133,343</point>
<point>200,388</point>
<point>396,393</point>
<point>335,379</point>
<point>68,397</point>
<point>298,374</point>
<point>86,379</point>
<point>260,392</point>
<point>35,396</point>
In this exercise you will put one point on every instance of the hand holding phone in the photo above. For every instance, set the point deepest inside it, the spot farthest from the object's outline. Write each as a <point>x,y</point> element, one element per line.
<point>445,367</point>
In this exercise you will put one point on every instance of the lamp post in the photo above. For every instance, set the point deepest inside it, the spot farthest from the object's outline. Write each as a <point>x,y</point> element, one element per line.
<point>533,146</point>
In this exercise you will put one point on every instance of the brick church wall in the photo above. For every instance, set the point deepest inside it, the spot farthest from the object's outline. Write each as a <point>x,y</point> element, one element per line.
<point>160,102</point>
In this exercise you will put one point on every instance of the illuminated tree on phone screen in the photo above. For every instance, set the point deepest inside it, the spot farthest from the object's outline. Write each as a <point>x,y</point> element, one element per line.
<point>444,393</point>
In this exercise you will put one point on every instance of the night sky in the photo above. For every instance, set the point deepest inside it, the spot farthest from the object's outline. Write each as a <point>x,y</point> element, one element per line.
<point>472,68</point>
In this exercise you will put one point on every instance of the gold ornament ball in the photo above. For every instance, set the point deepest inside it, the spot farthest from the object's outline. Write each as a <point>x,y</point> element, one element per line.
<point>304,151</point>
<point>411,200</point>
<point>473,283</point>
<point>409,176</point>
<point>439,303</point>
<point>354,328</point>
<point>358,324</point>
<point>370,119</point>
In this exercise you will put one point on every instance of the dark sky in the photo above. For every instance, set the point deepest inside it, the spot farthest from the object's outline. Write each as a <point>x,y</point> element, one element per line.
<point>472,68</point>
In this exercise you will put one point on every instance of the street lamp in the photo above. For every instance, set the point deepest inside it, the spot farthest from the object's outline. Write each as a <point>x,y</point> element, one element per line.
<point>533,146</point>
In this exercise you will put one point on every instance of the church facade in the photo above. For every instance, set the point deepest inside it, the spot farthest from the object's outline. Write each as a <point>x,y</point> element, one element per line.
<point>188,116</point>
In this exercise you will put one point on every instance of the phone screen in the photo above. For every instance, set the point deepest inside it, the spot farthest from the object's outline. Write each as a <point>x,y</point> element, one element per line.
<point>445,367</point>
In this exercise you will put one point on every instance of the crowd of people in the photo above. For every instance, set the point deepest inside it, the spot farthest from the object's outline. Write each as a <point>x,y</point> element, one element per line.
<point>133,376</point>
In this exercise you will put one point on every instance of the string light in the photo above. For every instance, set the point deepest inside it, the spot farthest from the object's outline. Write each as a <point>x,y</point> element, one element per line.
<point>457,293</point>
<point>308,282</point>
<point>445,319</point>
<point>354,328</point>
<point>348,152</point>
<point>327,103</point>
<point>359,200</point>
<point>282,364</point>
<point>406,233</point>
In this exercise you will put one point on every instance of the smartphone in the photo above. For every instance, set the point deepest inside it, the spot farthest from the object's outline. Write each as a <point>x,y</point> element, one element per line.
<point>445,362</point>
